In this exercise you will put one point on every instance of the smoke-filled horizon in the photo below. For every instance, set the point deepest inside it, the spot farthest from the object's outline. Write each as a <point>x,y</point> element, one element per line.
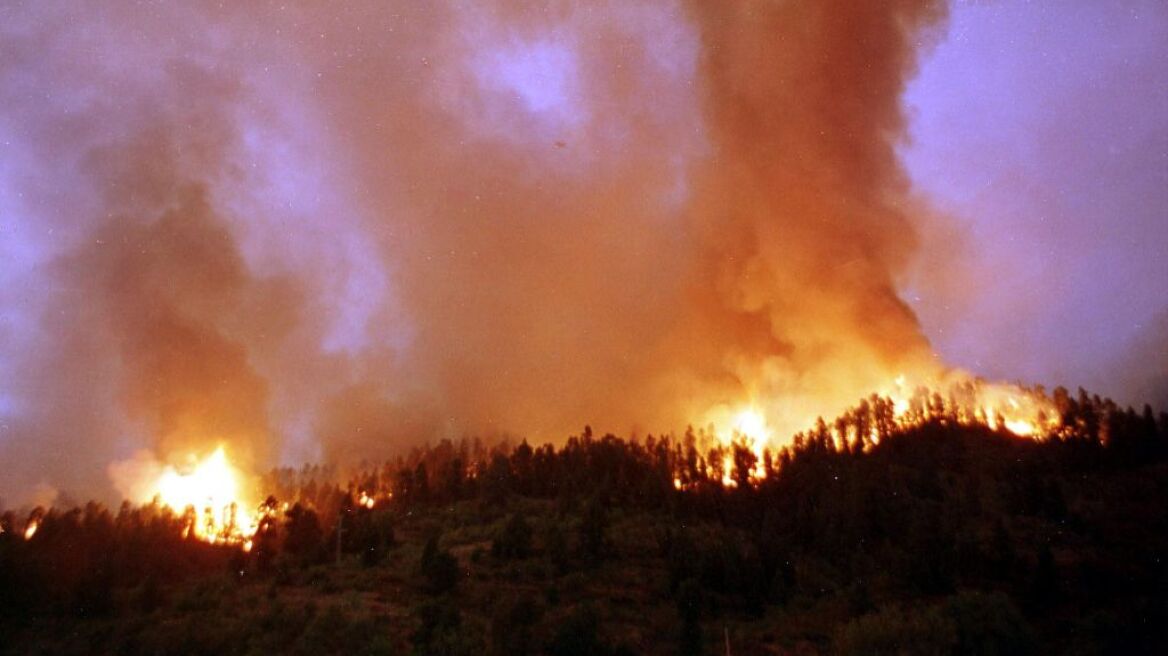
<point>328,234</point>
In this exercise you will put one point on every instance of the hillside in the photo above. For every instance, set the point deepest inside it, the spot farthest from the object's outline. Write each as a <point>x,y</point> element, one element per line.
<point>936,538</point>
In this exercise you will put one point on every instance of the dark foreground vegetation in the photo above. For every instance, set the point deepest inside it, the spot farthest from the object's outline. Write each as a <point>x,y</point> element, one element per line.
<point>936,539</point>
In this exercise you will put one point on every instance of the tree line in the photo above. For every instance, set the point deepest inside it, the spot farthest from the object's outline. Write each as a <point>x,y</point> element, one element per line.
<point>865,512</point>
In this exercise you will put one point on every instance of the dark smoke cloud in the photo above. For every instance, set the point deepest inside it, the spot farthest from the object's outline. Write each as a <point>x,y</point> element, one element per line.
<point>333,232</point>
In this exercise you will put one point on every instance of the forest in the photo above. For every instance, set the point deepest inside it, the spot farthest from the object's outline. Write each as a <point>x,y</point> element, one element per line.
<point>864,536</point>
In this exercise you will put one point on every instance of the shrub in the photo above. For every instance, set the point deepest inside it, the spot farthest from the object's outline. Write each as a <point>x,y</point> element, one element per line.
<point>439,567</point>
<point>988,623</point>
<point>579,635</point>
<point>593,529</point>
<point>442,631</point>
<point>511,626</point>
<point>894,632</point>
<point>689,608</point>
<point>966,624</point>
<point>514,540</point>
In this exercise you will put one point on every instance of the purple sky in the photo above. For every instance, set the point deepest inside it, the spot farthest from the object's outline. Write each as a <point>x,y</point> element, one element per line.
<point>1041,129</point>
<point>1038,138</point>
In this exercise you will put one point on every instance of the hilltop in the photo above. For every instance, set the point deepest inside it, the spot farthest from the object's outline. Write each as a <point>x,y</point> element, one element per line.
<point>938,537</point>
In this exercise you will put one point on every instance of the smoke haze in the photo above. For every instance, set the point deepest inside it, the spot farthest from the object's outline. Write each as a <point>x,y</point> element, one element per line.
<point>333,233</point>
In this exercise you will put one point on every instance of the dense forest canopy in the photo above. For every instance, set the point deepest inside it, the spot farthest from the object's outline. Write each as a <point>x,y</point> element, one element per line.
<point>954,537</point>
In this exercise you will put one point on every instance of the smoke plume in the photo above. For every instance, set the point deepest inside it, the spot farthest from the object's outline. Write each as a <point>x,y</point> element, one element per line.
<point>331,232</point>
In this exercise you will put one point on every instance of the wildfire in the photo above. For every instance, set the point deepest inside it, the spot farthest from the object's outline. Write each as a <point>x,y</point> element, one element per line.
<point>750,423</point>
<point>1021,411</point>
<point>365,500</point>
<point>211,491</point>
<point>954,397</point>
<point>747,426</point>
<point>31,529</point>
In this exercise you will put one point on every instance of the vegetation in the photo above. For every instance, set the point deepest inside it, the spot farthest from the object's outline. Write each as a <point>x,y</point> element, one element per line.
<point>941,538</point>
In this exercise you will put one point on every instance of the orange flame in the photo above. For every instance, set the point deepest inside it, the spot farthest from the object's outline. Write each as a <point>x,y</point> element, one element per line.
<point>953,397</point>
<point>211,490</point>
<point>365,500</point>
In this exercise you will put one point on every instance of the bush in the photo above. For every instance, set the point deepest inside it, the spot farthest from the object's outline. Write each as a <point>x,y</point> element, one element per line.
<point>439,567</point>
<point>579,635</point>
<point>593,529</point>
<point>511,626</point>
<point>304,539</point>
<point>442,631</point>
<point>555,545</point>
<point>893,632</point>
<point>689,608</point>
<point>514,540</point>
<point>966,624</point>
<point>333,631</point>
<point>374,536</point>
<point>988,624</point>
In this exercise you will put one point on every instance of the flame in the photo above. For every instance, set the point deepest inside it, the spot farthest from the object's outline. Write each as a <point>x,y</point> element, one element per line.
<point>750,423</point>
<point>211,490</point>
<point>747,426</point>
<point>1021,411</point>
<point>728,471</point>
<point>951,397</point>
<point>31,529</point>
<point>365,500</point>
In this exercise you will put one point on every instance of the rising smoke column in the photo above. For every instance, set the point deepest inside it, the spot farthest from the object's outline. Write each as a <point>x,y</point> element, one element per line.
<point>803,211</point>
<point>368,225</point>
<point>625,216</point>
<point>156,288</point>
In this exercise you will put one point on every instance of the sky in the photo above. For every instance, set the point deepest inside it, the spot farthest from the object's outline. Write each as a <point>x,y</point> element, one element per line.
<point>1041,131</point>
<point>329,233</point>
